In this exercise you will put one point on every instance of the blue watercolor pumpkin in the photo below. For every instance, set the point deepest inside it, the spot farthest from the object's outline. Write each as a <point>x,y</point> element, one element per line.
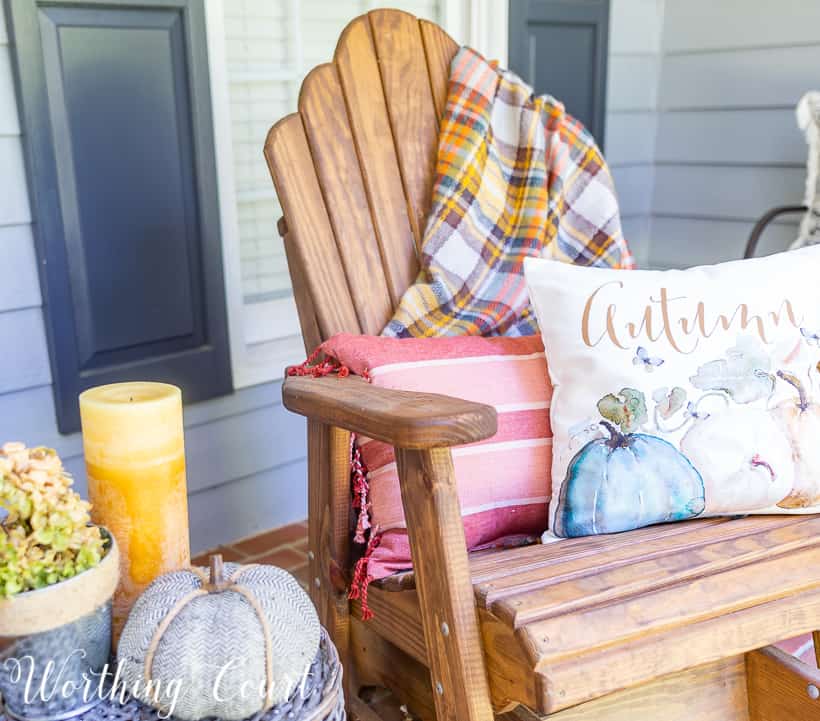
<point>626,481</point>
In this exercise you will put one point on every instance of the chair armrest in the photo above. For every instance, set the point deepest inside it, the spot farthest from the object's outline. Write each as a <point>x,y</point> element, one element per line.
<point>405,419</point>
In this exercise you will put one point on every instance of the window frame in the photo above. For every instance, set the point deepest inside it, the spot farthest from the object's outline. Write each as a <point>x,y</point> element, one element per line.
<point>257,354</point>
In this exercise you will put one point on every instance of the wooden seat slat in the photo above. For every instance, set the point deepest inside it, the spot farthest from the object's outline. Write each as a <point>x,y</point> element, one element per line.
<point>494,565</point>
<point>641,617</point>
<point>585,627</point>
<point>617,572</point>
<point>593,648</point>
<point>575,680</point>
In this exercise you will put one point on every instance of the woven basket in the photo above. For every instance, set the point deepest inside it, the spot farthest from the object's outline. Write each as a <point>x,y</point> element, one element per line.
<point>320,698</point>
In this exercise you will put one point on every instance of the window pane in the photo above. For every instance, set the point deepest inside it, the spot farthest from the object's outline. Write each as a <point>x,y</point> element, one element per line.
<point>270,45</point>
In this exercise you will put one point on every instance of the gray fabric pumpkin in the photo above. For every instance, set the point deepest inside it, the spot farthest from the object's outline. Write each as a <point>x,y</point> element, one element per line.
<point>229,645</point>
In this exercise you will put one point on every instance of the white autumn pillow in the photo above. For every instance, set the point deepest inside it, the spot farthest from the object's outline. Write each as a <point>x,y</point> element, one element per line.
<point>681,393</point>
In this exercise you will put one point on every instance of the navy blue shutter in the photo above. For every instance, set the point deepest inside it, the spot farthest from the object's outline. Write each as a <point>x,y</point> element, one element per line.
<point>117,125</point>
<point>560,47</point>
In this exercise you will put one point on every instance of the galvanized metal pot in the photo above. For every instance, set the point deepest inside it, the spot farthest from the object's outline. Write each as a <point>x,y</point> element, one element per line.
<point>55,643</point>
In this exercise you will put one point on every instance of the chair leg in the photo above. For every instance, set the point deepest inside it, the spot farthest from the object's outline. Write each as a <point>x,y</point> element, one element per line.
<point>781,688</point>
<point>451,632</point>
<point>328,536</point>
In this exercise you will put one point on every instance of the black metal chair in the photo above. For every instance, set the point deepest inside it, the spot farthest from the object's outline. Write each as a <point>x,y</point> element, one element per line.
<point>760,226</point>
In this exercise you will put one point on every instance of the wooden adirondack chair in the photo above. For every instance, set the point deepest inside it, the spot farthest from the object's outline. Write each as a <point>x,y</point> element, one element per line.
<point>659,623</point>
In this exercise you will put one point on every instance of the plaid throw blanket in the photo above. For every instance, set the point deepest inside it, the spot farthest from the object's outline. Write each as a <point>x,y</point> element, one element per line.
<point>516,176</point>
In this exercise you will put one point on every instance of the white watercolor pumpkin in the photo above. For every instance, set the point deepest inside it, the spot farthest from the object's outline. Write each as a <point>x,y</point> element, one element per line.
<point>744,458</point>
<point>799,419</point>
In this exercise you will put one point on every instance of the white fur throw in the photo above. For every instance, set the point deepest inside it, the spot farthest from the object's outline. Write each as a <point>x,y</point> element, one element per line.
<point>808,119</point>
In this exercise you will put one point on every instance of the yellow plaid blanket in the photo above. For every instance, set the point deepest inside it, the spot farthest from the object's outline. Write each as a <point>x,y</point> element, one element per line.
<point>516,176</point>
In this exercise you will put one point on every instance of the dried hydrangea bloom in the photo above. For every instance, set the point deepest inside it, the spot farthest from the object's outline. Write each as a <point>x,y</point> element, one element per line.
<point>46,534</point>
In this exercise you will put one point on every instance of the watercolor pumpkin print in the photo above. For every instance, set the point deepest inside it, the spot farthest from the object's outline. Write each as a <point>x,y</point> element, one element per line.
<point>799,420</point>
<point>681,393</point>
<point>627,479</point>
<point>721,447</point>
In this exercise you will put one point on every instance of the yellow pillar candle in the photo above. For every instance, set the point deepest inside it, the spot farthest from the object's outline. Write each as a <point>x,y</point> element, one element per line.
<point>135,458</point>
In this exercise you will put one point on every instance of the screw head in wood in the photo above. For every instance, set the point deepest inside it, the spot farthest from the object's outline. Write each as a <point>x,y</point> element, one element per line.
<point>439,688</point>
<point>814,692</point>
<point>317,582</point>
<point>445,629</point>
<point>311,555</point>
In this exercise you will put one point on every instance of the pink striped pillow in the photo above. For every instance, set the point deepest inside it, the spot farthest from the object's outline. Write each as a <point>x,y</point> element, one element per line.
<point>504,481</point>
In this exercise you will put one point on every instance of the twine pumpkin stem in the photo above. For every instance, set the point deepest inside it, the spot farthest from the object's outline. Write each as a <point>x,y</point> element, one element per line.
<point>217,580</point>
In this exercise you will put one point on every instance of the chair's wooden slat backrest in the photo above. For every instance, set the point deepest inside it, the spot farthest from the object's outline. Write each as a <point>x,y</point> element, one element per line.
<point>379,162</point>
<point>322,107</point>
<point>313,242</point>
<point>439,49</point>
<point>354,170</point>
<point>409,98</point>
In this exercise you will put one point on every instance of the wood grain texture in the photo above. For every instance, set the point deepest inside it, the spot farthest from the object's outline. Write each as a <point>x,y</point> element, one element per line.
<point>674,597</point>
<point>684,603</point>
<point>448,612</point>
<point>720,552</point>
<point>509,669</point>
<point>409,98</point>
<point>402,418</point>
<point>322,107</point>
<point>440,49</point>
<point>328,533</point>
<point>359,73</point>
<point>715,692</point>
<point>308,324</point>
<point>380,663</point>
<point>779,687</point>
<point>396,616</point>
<point>601,672</point>
<point>291,167</point>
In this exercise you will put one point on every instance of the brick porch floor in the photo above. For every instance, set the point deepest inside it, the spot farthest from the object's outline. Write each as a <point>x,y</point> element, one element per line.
<point>286,547</point>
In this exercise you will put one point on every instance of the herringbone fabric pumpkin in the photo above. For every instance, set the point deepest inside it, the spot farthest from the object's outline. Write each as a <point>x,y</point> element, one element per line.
<point>222,643</point>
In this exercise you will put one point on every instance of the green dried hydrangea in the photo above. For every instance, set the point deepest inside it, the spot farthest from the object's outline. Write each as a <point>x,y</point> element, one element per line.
<point>45,536</point>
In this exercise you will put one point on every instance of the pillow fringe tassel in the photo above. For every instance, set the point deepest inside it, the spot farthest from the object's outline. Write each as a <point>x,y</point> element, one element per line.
<point>361,578</point>
<point>313,366</point>
<point>361,490</point>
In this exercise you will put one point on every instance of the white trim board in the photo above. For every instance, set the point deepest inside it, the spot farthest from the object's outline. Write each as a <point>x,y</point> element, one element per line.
<point>481,24</point>
<point>258,352</point>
